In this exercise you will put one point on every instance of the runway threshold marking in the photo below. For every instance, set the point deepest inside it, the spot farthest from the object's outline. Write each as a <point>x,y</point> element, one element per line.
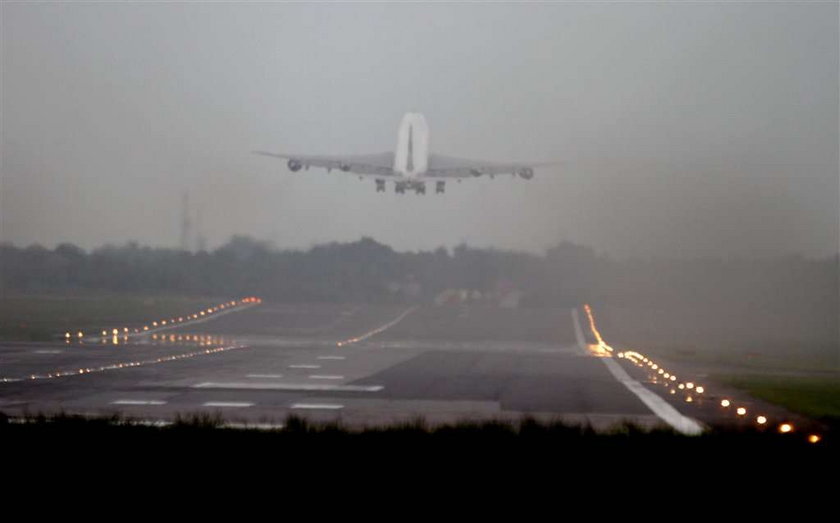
<point>331,358</point>
<point>138,402</point>
<point>268,376</point>
<point>657,405</point>
<point>292,387</point>
<point>325,377</point>
<point>304,366</point>
<point>228,404</point>
<point>317,406</point>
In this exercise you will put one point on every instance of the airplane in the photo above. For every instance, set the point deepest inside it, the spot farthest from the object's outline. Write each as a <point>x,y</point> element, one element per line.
<point>411,165</point>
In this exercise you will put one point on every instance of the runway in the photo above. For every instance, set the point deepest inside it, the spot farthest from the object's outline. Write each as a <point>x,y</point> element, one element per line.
<point>361,365</point>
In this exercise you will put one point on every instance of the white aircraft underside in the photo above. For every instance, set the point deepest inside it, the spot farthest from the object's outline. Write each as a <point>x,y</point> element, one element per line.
<point>411,165</point>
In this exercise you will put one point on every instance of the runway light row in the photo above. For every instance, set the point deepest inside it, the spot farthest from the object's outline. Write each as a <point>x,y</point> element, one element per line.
<point>201,339</point>
<point>124,365</point>
<point>670,380</point>
<point>125,332</point>
<point>376,330</point>
<point>601,349</point>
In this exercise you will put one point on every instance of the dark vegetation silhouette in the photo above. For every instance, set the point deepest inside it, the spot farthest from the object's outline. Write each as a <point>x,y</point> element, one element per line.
<point>750,303</point>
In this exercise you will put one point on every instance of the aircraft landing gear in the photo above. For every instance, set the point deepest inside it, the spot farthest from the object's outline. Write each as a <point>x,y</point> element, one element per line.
<point>440,187</point>
<point>420,188</point>
<point>399,187</point>
<point>380,185</point>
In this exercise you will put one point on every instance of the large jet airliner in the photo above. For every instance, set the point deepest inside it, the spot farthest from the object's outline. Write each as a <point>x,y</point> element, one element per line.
<point>411,164</point>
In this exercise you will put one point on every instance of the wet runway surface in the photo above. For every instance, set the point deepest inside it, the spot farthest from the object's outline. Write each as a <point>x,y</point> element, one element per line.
<point>361,365</point>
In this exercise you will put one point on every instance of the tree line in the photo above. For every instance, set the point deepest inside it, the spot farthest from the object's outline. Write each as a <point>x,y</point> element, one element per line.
<point>368,271</point>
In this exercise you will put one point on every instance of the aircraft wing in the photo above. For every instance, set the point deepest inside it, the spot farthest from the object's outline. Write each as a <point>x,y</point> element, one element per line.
<point>451,167</point>
<point>365,165</point>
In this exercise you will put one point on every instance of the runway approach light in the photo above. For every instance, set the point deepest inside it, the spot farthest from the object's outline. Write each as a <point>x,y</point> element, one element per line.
<point>761,420</point>
<point>741,411</point>
<point>700,390</point>
<point>784,428</point>
<point>67,335</point>
<point>725,403</point>
<point>115,332</point>
<point>813,438</point>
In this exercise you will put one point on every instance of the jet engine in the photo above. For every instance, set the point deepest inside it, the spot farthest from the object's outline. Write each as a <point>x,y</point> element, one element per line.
<point>294,165</point>
<point>526,173</point>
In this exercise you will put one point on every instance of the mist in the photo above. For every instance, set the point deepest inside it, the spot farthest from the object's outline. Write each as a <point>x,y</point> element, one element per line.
<point>682,130</point>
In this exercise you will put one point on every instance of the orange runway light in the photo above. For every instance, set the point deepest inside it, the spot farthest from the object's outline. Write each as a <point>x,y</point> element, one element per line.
<point>601,343</point>
<point>784,428</point>
<point>741,411</point>
<point>813,438</point>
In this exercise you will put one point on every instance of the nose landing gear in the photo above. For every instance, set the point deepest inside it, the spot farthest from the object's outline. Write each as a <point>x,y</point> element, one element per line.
<point>440,187</point>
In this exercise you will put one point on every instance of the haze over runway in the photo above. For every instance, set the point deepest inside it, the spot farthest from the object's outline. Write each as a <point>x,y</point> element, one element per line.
<point>358,365</point>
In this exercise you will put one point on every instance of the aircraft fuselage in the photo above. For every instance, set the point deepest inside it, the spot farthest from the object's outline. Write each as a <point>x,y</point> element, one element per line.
<point>411,157</point>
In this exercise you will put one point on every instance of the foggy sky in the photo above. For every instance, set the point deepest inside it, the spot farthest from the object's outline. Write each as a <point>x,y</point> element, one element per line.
<point>685,129</point>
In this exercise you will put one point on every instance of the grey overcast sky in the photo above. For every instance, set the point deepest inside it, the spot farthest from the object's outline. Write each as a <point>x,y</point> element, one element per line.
<point>687,129</point>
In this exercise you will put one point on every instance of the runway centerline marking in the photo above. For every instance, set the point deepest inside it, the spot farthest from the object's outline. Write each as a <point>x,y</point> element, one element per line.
<point>304,366</point>
<point>331,358</point>
<point>269,376</point>
<point>292,387</point>
<point>657,405</point>
<point>230,404</point>
<point>138,402</point>
<point>317,406</point>
<point>325,377</point>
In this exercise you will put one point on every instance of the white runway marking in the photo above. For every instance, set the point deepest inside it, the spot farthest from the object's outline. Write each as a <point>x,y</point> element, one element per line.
<point>48,351</point>
<point>304,366</point>
<point>296,387</point>
<point>264,376</point>
<point>325,377</point>
<point>331,358</point>
<point>660,407</point>
<point>657,405</point>
<point>232,404</point>
<point>321,406</point>
<point>138,402</point>
<point>581,341</point>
